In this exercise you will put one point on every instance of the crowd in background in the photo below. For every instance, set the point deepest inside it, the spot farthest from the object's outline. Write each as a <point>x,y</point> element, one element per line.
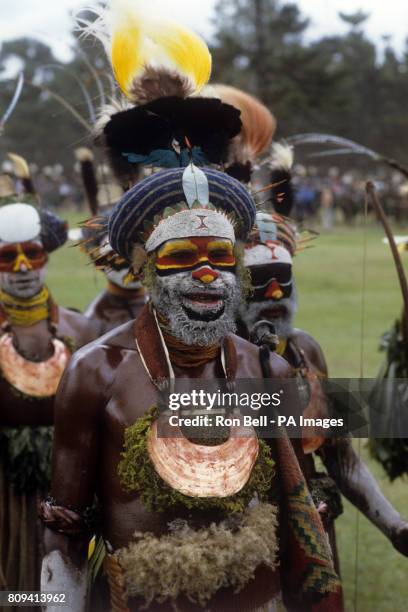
<point>338,196</point>
<point>322,198</point>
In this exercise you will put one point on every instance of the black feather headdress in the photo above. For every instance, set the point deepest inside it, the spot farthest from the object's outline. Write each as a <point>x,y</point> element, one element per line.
<point>166,130</point>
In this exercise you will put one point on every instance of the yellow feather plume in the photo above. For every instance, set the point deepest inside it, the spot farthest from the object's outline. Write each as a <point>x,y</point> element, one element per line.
<point>20,165</point>
<point>151,56</point>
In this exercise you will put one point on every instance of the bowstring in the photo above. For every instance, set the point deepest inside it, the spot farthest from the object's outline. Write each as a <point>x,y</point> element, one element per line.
<point>361,376</point>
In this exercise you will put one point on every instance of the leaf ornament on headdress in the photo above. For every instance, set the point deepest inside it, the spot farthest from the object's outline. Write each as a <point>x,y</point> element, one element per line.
<point>195,186</point>
<point>160,67</point>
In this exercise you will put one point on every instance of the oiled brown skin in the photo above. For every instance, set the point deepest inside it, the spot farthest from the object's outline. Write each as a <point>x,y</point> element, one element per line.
<point>108,311</point>
<point>104,390</point>
<point>34,342</point>
<point>346,468</point>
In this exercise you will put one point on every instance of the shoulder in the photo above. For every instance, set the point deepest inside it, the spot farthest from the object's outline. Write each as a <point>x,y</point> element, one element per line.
<point>311,348</point>
<point>94,367</point>
<point>249,362</point>
<point>77,326</point>
<point>118,339</point>
<point>97,304</point>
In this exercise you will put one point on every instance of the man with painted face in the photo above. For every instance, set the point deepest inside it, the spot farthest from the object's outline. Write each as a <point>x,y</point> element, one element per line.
<point>162,498</point>
<point>186,524</point>
<point>37,339</point>
<point>124,296</point>
<point>269,258</point>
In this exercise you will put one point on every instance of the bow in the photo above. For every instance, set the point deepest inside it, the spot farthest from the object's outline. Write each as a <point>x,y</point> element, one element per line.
<point>13,103</point>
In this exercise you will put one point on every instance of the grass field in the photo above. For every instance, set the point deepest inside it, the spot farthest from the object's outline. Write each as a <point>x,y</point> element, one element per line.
<point>329,279</point>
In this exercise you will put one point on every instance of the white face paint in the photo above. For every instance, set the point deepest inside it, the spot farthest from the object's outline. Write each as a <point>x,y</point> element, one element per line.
<point>25,283</point>
<point>198,314</point>
<point>192,223</point>
<point>281,314</point>
<point>117,277</point>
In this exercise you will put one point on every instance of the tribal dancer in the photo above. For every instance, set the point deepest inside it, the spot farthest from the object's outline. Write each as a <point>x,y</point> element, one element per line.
<point>192,272</point>
<point>37,339</point>
<point>274,300</point>
<point>124,296</point>
<point>187,525</point>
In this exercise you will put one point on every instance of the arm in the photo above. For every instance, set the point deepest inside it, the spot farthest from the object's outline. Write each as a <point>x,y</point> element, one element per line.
<point>79,403</point>
<point>359,486</point>
<point>355,480</point>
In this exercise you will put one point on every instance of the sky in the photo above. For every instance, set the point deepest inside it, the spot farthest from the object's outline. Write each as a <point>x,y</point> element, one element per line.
<point>50,20</point>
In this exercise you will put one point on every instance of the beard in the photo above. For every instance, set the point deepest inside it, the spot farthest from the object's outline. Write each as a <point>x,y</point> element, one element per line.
<point>197,314</point>
<point>23,285</point>
<point>281,314</point>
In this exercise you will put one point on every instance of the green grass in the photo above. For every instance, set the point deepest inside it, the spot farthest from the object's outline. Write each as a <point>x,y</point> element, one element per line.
<point>331,301</point>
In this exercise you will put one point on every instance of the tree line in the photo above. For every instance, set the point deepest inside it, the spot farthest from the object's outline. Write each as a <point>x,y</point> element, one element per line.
<point>337,84</point>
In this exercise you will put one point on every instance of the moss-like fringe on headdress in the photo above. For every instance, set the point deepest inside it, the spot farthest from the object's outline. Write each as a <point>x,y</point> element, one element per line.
<point>137,474</point>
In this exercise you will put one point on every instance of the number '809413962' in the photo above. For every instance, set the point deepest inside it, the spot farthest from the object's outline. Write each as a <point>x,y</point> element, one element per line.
<point>32,598</point>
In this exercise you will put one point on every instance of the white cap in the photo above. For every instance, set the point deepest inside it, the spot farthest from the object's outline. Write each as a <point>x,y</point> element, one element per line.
<point>19,223</point>
<point>262,254</point>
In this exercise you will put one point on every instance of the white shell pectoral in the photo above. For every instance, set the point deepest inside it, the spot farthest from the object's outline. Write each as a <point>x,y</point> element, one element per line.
<point>204,471</point>
<point>35,379</point>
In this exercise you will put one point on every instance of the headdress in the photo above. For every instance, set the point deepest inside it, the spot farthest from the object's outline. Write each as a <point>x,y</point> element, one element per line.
<point>274,231</point>
<point>22,171</point>
<point>92,235</point>
<point>21,220</point>
<point>280,163</point>
<point>180,203</point>
<point>160,68</point>
<point>85,158</point>
<point>258,128</point>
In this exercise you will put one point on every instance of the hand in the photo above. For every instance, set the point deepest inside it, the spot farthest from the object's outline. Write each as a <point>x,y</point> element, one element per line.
<point>399,538</point>
<point>322,508</point>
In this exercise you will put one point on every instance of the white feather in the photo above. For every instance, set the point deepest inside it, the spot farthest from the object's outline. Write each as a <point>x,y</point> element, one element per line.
<point>282,156</point>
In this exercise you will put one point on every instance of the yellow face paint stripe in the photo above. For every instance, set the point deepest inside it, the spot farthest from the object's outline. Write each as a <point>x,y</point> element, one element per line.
<point>185,267</point>
<point>178,245</point>
<point>20,260</point>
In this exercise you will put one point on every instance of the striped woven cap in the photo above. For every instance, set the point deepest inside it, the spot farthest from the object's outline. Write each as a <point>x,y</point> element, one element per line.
<point>151,196</point>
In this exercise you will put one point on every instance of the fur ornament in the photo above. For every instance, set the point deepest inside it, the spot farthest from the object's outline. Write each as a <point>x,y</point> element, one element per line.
<point>198,562</point>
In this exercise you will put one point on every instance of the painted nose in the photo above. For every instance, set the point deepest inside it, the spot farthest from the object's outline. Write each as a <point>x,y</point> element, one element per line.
<point>274,291</point>
<point>22,264</point>
<point>205,275</point>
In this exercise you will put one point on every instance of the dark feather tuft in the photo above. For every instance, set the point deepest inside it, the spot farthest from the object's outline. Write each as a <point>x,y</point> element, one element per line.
<point>90,184</point>
<point>207,123</point>
<point>282,191</point>
<point>240,171</point>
